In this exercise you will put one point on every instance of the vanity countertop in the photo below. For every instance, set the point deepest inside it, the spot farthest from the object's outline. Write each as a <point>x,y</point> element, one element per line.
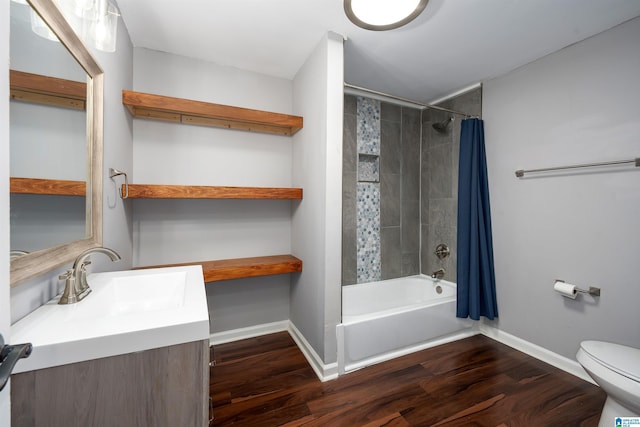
<point>126,312</point>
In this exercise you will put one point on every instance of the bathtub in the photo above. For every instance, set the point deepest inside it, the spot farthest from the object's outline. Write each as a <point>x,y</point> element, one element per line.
<point>386,319</point>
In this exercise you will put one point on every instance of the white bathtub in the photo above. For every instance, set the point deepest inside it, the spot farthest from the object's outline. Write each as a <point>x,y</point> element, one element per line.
<point>391,318</point>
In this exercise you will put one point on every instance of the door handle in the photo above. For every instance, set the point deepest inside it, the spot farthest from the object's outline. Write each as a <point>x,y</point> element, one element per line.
<point>9,356</point>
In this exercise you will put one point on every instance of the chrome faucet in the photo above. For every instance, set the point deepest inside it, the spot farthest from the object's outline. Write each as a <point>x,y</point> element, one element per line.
<point>76,286</point>
<point>438,274</point>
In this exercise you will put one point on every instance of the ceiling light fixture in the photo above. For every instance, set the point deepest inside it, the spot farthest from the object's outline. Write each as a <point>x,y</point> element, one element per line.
<point>381,15</point>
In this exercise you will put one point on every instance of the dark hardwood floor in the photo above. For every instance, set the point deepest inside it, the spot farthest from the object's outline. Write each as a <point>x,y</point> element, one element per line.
<point>266,381</point>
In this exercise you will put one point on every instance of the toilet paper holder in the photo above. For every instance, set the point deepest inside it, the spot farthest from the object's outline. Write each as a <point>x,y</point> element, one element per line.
<point>591,291</point>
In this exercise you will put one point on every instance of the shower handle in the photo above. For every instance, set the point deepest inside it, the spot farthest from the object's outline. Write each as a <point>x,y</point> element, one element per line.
<point>442,251</point>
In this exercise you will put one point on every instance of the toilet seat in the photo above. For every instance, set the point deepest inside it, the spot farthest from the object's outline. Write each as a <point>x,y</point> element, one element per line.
<point>618,358</point>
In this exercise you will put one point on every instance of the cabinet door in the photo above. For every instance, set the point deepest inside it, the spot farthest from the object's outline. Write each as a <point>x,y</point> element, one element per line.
<point>167,386</point>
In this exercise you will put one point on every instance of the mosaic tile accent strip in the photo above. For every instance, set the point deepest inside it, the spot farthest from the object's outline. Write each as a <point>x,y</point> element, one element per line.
<point>368,111</point>
<point>368,168</point>
<point>368,232</point>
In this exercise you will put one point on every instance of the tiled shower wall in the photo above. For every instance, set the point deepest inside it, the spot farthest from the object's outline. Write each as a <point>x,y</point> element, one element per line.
<point>439,187</point>
<point>368,250</point>
<point>381,191</point>
<point>400,184</point>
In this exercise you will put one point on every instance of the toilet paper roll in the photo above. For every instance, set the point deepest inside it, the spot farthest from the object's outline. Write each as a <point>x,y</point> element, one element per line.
<point>566,289</point>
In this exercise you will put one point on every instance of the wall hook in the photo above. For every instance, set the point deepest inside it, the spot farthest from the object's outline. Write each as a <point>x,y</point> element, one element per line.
<point>115,172</point>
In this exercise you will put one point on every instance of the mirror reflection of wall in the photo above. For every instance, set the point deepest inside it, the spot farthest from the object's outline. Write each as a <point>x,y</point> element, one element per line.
<point>47,142</point>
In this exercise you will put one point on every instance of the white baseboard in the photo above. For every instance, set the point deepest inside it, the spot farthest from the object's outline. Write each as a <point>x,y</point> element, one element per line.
<point>570,366</point>
<point>325,372</point>
<point>249,332</point>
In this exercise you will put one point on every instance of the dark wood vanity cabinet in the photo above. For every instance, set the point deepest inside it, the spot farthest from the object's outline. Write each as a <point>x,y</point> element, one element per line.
<point>166,386</point>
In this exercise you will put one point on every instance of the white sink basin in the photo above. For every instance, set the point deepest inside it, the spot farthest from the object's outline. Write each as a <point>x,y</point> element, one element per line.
<point>131,293</point>
<point>126,311</point>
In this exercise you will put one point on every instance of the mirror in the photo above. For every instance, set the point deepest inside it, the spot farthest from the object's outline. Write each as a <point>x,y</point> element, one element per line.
<point>48,93</point>
<point>56,143</point>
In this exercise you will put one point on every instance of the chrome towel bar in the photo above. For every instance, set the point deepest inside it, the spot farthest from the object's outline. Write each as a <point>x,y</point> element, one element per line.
<point>520,173</point>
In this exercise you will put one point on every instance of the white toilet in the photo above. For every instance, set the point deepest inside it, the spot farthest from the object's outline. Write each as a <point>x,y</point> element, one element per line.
<point>616,369</point>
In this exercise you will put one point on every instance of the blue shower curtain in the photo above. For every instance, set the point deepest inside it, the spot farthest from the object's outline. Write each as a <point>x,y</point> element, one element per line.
<point>475,275</point>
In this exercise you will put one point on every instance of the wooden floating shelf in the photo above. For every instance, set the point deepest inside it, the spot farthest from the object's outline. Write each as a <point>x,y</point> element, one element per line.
<point>149,191</point>
<point>192,112</point>
<point>55,187</point>
<point>238,268</point>
<point>47,90</point>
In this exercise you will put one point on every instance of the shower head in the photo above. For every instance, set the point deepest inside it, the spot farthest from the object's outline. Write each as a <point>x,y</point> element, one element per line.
<point>442,126</point>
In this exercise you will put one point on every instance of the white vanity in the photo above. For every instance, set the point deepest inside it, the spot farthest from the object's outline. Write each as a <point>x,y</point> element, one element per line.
<point>135,351</point>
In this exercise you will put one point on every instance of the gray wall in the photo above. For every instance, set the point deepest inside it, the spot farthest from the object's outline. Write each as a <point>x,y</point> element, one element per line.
<point>173,231</point>
<point>315,229</point>
<point>578,105</point>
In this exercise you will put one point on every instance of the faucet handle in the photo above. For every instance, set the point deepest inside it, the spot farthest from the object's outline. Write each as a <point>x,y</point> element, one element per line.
<point>66,275</point>
<point>70,294</point>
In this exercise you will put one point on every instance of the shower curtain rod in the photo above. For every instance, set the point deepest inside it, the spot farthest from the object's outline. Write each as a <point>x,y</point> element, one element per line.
<point>410,101</point>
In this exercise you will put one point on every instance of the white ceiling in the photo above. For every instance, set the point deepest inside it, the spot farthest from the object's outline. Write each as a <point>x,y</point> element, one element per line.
<point>453,44</point>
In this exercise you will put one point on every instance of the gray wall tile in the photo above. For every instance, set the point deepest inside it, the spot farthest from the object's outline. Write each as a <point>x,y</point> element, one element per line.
<point>391,252</point>
<point>427,258</point>
<point>418,187</point>
<point>439,170</point>
<point>349,256</point>
<point>349,223</point>
<point>349,144</point>
<point>350,104</point>
<point>443,212</point>
<point>410,226</point>
<point>390,200</point>
<point>410,154</point>
<point>425,181</point>
<point>349,201</point>
<point>390,112</point>
<point>390,147</point>
<point>410,264</point>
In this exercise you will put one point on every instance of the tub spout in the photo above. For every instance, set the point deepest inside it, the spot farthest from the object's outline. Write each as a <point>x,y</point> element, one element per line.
<point>438,274</point>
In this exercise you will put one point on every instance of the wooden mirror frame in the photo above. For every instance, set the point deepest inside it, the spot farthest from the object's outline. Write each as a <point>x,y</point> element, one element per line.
<point>39,262</point>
